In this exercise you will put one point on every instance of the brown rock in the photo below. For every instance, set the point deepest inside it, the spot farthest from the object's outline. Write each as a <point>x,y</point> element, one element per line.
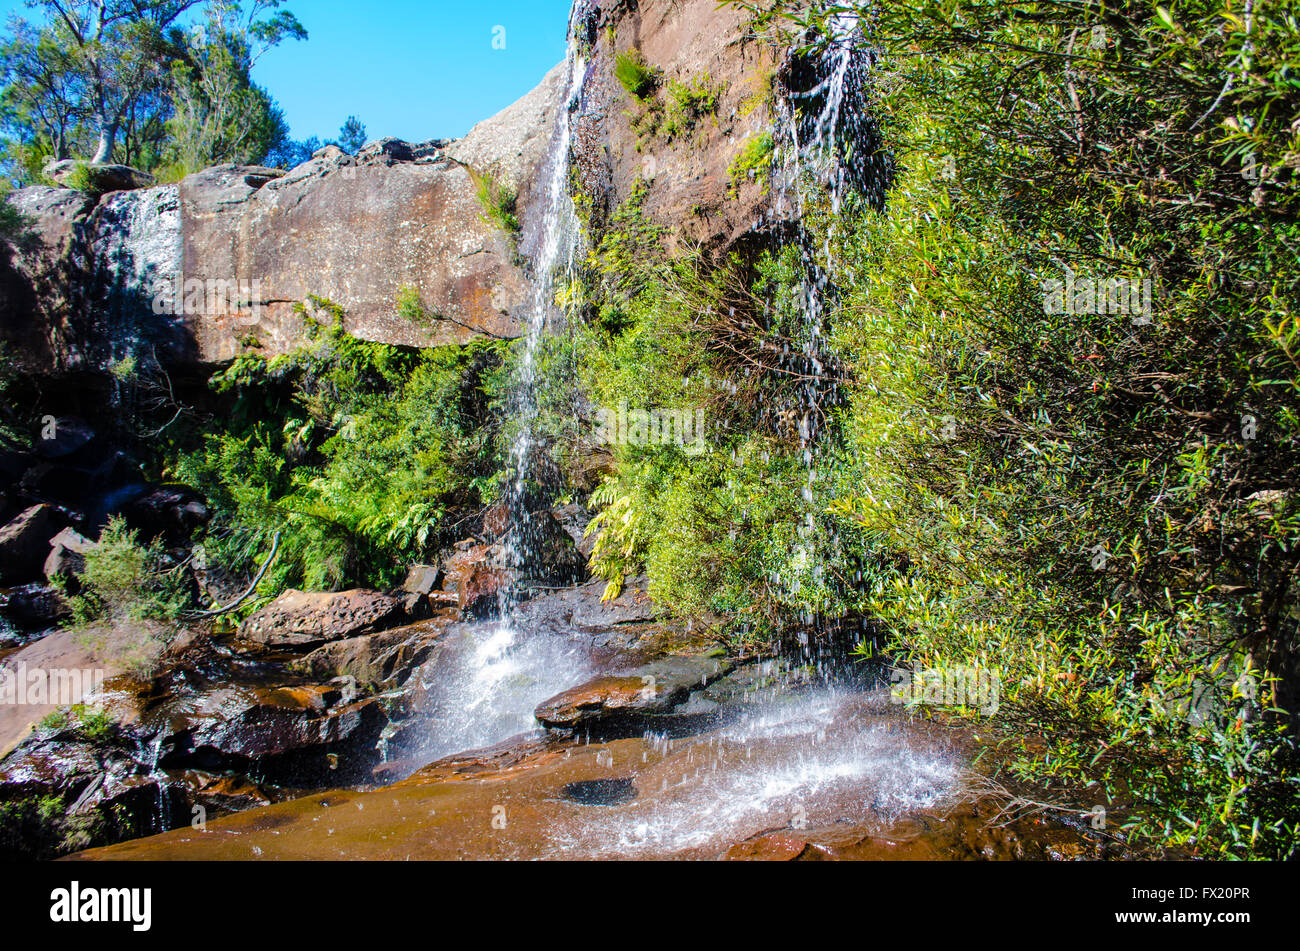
<point>101,177</point>
<point>383,661</point>
<point>474,578</point>
<point>422,579</point>
<point>688,178</point>
<point>357,236</point>
<point>24,545</point>
<point>774,847</point>
<point>67,555</point>
<point>299,619</point>
<point>604,698</point>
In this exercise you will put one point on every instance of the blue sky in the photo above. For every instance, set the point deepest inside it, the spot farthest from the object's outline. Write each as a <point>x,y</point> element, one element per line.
<point>415,69</point>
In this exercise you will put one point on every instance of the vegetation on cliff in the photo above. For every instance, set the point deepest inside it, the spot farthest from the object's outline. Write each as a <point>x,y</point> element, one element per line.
<point>1093,494</point>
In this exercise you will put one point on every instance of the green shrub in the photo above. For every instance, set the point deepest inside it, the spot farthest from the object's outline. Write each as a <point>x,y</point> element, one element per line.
<point>125,581</point>
<point>1075,498</point>
<point>498,203</point>
<point>753,161</point>
<point>635,75</point>
<point>363,457</point>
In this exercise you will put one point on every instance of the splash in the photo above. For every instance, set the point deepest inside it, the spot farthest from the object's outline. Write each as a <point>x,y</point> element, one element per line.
<point>488,680</point>
<point>798,762</point>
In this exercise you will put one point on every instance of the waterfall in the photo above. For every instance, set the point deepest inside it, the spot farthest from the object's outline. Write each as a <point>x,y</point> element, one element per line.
<point>491,677</point>
<point>825,152</point>
<point>556,244</point>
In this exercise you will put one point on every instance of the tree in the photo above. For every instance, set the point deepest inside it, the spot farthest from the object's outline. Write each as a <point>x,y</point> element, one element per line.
<point>219,113</point>
<point>124,80</point>
<point>116,51</point>
<point>352,136</point>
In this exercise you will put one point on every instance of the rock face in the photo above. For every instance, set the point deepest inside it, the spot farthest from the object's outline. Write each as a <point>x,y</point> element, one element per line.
<point>687,176</point>
<point>199,271</point>
<point>356,235</point>
<point>300,619</point>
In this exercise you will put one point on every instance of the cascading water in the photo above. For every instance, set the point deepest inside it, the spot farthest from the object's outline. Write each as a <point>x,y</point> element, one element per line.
<point>555,239</point>
<point>488,682</point>
<point>826,153</point>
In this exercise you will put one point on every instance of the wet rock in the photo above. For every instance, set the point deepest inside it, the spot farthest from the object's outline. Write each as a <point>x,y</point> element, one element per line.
<point>545,551</point>
<point>773,847</point>
<point>582,607</point>
<point>25,543</point>
<point>102,790</point>
<point>34,606</point>
<point>223,795</point>
<point>67,556</point>
<point>300,619</point>
<point>300,736</point>
<point>471,574</point>
<point>635,698</point>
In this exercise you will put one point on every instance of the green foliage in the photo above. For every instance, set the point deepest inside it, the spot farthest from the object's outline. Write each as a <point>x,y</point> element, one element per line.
<point>678,112</point>
<point>38,828</point>
<point>753,161</point>
<point>132,81</point>
<point>498,203</point>
<point>635,75</point>
<point>352,135</point>
<point>1078,496</point>
<point>125,581</point>
<point>362,456</point>
<point>95,724</point>
<point>727,532</point>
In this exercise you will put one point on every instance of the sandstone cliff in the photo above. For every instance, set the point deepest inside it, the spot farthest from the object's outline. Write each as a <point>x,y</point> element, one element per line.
<point>197,271</point>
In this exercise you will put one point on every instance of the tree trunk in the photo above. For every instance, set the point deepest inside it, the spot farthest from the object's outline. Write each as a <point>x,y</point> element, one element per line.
<point>107,138</point>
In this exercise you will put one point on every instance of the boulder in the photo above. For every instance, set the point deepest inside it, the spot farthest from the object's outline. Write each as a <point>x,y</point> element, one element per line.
<point>25,544</point>
<point>382,661</point>
<point>34,606</point>
<point>100,177</point>
<point>67,556</point>
<point>422,579</point>
<point>303,736</point>
<point>634,699</point>
<point>359,236</point>
<point>303,620</point>
<point>473,575</point>
<point>64,437</point>
<point>172,512</point>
